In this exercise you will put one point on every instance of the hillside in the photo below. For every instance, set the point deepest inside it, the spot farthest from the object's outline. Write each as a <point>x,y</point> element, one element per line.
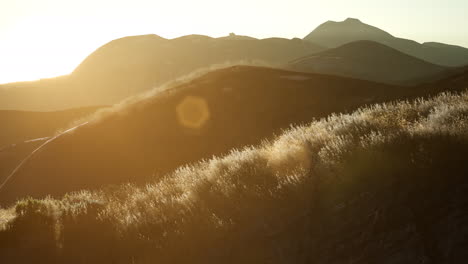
<point>190,121</point>
<point>332,34</point>
<point>131,65</point>
<point>18,126</point>
<point>456,81</point>
<point>22,132</point>
<point>369,60</point>
<point>12,155</point>
<point>385,184</point>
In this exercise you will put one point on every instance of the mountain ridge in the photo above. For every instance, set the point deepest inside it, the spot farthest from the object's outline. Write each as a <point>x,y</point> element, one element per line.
<point>370,60</point>
<point>333,34</point>
<point>128,66</point>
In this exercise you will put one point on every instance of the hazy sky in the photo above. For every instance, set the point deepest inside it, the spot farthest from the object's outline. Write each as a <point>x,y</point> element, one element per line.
<point>45,38</point>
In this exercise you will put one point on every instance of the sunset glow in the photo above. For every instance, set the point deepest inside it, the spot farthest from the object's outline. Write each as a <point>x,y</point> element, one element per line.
<point>51,37</point>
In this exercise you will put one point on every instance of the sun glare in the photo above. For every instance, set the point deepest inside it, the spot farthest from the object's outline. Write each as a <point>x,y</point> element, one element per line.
<point>40,39</point>
<point>41,47</point>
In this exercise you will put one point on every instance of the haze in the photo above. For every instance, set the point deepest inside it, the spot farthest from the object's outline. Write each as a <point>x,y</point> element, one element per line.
<point>40,39</point>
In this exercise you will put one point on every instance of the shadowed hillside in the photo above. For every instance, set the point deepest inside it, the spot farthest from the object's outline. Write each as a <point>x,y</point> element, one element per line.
<point>209,115</point>
<point>18,126</point>
<point>386,184</point>
<point>128,66</point>
<point>372,61</point>
<point>12,155</point>
<point>456,81</point>
<point>22,132</point>
<point>333,34</point>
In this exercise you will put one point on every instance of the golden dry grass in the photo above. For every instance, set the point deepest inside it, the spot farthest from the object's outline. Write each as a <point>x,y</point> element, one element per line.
<point>279,202</point>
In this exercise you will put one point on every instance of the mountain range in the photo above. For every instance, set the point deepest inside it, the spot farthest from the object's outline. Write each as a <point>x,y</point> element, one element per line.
<point>332,34</point>
<point>132,65</point>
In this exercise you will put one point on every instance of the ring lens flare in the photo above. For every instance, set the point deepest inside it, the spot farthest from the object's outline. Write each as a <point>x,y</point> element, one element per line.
<point>193,112</point>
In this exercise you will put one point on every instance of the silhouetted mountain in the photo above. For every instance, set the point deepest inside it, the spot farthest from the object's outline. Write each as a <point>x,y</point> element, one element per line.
<point>210,115</point>
<point>130,65</point>
<point>369,60</point>
<point>333,34</point>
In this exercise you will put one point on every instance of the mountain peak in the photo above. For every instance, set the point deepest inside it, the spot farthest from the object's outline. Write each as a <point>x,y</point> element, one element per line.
<point>352,20</point>
<point>349,20</point>
<point>333,34</point>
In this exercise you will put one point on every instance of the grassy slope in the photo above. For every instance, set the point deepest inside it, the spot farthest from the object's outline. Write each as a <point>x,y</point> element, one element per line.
<point>147,138</point>
<point>246,105</point>
<point>385,184</point>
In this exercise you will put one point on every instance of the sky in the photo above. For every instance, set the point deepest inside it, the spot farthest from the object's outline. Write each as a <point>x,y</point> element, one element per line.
<point>47,38</point>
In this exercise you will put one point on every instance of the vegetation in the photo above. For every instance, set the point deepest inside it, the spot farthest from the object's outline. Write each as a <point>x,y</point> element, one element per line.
<point>240,106</point>
<point>382,185</point>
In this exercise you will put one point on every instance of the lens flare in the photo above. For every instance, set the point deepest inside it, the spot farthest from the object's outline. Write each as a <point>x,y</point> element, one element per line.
<point>193,112</point>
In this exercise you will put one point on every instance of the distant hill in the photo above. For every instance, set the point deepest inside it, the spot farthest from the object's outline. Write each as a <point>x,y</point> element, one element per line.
<point>369,60</point>
<point>333,34</point>
<point>210,115</point>
<point>131,65</point>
